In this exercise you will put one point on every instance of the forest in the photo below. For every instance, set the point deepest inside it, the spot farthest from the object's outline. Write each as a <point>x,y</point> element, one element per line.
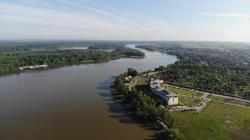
<point>222,70</point>
<point>17,55</point>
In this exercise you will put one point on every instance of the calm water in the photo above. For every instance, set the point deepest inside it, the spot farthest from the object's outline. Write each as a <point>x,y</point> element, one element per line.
<point>70,103</point>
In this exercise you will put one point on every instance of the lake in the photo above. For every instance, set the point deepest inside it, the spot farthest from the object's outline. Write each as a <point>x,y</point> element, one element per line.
<point>71,103</point>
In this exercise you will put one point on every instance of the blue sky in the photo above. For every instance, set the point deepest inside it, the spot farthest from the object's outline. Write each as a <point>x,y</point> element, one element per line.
<point>201,20</point>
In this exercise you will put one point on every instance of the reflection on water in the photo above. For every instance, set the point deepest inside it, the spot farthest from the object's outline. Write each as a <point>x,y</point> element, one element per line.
<point>71,102</point>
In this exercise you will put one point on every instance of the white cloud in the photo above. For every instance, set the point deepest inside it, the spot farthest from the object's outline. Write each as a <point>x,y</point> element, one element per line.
<point>94,10</point>
<point>73,24</point>
<point>238,15</point>
<point>82,21</point>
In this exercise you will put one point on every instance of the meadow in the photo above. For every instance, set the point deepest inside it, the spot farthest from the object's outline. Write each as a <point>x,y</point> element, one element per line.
<point>217,122</point>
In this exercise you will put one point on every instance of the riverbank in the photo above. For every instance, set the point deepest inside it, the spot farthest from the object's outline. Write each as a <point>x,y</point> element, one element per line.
<point>16,62</point>
<point>142,107</point>
<point>72,102</point>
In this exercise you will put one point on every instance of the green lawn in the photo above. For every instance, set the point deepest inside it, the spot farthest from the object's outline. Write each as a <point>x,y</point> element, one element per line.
<point>217,122</point>
<point>141,81</point>
<point>189,101</point>
<point>182,91</point>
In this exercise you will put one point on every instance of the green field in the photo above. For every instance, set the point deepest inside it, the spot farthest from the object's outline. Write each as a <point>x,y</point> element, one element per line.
<point>217,122</point>
<point>182,91</point>
<point>189,101</point>
<point>142,81</point>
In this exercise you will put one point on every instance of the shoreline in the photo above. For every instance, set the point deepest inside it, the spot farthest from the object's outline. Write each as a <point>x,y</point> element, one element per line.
<point>160,118</point>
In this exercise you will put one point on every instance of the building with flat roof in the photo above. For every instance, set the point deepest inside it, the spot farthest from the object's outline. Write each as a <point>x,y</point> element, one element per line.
<point>167,97</point>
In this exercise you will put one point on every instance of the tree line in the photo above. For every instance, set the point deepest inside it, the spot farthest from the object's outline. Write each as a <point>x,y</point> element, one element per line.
<point>11,61</point>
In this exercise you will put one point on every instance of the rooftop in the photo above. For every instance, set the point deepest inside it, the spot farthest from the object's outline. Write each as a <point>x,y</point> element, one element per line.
<point>156,85</point>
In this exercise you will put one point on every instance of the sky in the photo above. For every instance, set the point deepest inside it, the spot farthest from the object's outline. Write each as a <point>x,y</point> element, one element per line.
<point>165,20</point>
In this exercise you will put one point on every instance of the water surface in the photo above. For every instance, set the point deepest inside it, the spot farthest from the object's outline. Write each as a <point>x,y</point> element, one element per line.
<point>71,103</point>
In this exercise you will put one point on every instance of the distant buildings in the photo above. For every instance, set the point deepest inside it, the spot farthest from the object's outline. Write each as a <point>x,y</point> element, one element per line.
<point>168,98</point>
<point>33,67</point>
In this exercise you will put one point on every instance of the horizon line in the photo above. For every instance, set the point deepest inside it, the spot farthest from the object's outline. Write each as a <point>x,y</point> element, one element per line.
<point>110,40</point>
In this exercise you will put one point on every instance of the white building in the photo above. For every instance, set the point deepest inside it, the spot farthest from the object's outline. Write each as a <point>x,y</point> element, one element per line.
<point>168,98</point>
<point>33,67</point>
